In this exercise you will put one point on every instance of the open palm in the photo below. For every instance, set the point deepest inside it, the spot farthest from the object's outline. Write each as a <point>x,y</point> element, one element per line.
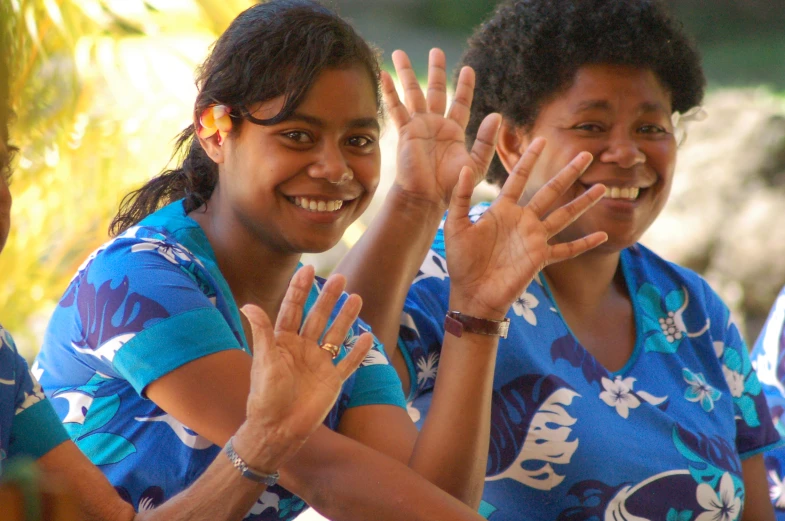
<point>294,383</point>
<point>493,260</point>
<point>432,145</point>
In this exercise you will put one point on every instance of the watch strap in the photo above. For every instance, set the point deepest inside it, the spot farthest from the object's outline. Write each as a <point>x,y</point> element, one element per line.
<point>456,323</point>
<point>245,470</point>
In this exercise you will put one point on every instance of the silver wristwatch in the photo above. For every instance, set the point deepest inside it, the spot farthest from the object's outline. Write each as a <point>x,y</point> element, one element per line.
<point>245,470</point>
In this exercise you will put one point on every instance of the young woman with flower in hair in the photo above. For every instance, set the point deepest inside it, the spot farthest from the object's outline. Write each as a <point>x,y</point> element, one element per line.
<point>147,356</point>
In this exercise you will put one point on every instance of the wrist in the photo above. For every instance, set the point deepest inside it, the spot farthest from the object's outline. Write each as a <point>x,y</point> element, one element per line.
<point>264,449</point>
<point>472,307</point>
<point>457,323</point>
<point>415,207</point>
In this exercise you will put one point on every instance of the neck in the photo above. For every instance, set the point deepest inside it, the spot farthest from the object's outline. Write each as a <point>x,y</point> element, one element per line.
<point>585,281</point>
<point>256,273</point>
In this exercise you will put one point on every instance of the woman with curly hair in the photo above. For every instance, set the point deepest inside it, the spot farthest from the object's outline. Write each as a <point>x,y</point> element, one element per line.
<point>622,390</point>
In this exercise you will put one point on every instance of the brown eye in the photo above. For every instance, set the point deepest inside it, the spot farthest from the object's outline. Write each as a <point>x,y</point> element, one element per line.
<point>589,127</point>
<point>651,129</point>
<point>297,136</point>
<point>360,141</point>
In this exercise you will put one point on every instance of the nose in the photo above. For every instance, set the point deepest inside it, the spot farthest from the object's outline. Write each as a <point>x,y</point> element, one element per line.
<point>624,151</point>
<point>331,166</point>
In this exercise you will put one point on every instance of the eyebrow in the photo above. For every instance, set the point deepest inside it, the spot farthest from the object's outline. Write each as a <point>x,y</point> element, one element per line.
<point>317,122</point>
<point>645,107</point>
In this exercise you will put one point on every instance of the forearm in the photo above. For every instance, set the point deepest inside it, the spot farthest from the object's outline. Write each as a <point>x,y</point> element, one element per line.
<point>347,481</point>
<point>383,264</point>
<point>221,492</point>
<point>452,448</point>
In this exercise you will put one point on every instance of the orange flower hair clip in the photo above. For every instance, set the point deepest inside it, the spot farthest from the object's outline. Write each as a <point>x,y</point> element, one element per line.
<point>215,118</point>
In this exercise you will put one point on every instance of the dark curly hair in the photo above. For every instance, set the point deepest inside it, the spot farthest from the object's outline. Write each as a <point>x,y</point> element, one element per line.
<point>277,48</point>
<point>529,51</point>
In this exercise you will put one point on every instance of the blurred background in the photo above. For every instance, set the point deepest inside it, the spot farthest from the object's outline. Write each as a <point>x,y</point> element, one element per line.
<point>100,88</point>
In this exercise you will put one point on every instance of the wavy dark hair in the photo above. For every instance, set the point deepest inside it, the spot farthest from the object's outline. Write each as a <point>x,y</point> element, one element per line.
<point>529,51</point>
<point>273,49</point>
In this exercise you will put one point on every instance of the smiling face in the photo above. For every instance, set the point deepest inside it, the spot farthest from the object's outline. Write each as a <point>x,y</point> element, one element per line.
<point>297,185</point>
<point>622,115</point>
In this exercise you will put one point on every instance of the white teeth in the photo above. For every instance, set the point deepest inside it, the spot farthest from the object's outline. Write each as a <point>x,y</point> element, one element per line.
<point>615,192</point>
<point>314,205</point>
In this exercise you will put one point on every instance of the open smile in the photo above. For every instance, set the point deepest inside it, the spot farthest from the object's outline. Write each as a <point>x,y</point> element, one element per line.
<point>622,193</point>
<point>318,205</point>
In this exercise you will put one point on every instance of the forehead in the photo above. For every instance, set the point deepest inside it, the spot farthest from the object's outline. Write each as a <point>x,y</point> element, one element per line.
<point>337,95</point>
<point>613,88</point>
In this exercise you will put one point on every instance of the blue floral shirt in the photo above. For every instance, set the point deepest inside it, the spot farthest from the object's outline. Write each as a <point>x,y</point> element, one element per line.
<point>28,425</point>
<point>141,306</point>
<point>660,439</point>
<point>768,359</point>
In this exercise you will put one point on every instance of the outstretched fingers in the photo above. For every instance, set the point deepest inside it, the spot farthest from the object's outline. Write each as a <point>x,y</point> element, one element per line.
<point>338,330</point>
<point>484,146</point>
<point>355,357</point>
<point>261,330</point>
<point>556,187</point>
<point>412,93</point>
<point>461,200</point>
<point>320,312</point>
<point>436,97</point>
<point>568,250</point>
<point>460,109</point>
<point>290,315</point>
<point>516,181</point>
<point>395,108</point>
<point>562,217</point>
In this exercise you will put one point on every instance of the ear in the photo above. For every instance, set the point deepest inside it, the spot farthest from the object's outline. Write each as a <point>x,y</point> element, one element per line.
<point>511,144</point>
<point>210,145</point>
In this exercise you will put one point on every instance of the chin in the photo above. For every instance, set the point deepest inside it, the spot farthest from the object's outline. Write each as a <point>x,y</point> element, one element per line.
<point>316,245</point>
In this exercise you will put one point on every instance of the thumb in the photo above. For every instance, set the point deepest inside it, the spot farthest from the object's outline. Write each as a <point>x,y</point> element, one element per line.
<point>261,330</point>
<point>461,201</point>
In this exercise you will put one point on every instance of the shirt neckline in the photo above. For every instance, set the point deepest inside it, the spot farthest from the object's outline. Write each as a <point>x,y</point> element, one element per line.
<point>630,282</point>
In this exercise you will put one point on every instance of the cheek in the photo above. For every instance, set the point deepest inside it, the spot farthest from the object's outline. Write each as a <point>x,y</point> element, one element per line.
<point>367,171</point>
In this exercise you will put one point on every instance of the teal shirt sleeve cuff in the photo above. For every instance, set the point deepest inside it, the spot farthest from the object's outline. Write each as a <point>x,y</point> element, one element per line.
<point>172,343</point>
<point>377,385</point>
<point>35,431</point>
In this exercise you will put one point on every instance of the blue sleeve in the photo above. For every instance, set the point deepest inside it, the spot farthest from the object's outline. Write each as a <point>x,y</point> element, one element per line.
<point>376,382</point>
<point>768,359</point>
<point>146,306</point>
<point>36,429</point>
<point>421,331</point>
<point>755,431</point>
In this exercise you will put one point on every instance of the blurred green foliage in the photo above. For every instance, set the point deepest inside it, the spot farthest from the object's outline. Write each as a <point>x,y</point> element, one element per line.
<point>99,88</point>
<point>743,42</point>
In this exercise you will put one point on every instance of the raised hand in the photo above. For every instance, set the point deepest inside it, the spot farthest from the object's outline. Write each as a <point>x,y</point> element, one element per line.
<point>493,260</point>
<point>431,146</point>
<point>294,382</point>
